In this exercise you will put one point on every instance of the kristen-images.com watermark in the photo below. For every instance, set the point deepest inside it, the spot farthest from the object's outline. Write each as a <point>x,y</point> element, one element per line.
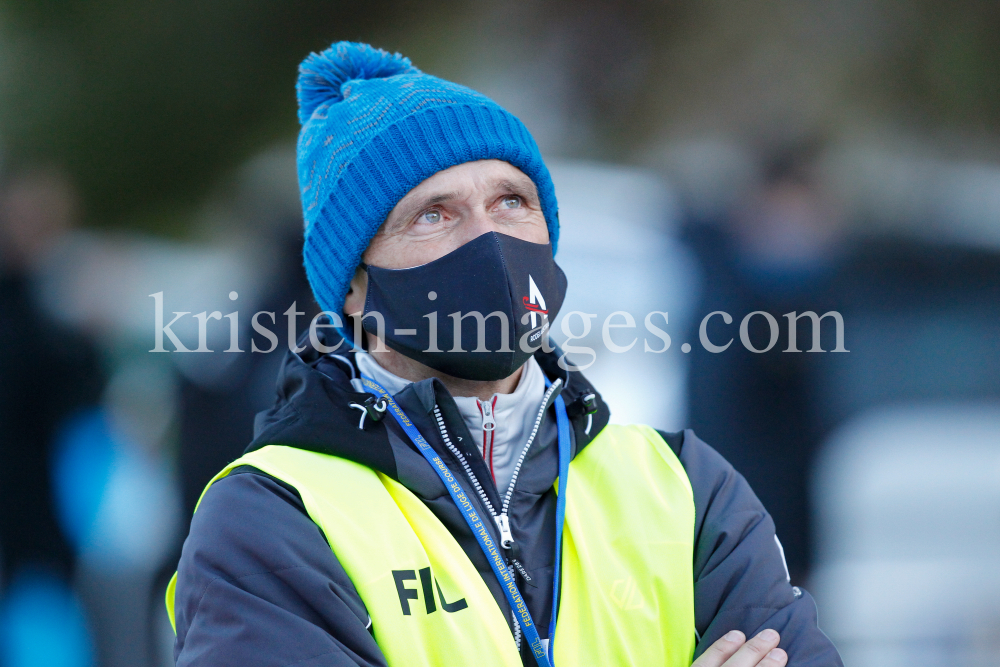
<point>619,332</point>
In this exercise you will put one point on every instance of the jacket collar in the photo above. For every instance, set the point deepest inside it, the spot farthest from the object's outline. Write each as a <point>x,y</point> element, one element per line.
<point>314,396</point>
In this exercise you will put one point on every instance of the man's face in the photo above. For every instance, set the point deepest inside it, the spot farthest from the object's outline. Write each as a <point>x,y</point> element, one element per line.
<point>448,210</point>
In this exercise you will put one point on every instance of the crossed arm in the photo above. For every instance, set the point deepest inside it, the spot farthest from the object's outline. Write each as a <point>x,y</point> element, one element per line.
<point>741,586</point>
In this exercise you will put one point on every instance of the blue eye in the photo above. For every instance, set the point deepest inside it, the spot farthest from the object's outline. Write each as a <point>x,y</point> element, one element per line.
<point>512,201</point>
<point>432,217</point>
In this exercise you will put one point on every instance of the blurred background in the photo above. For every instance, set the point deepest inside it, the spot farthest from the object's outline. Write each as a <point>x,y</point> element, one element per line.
<point>781,156</point>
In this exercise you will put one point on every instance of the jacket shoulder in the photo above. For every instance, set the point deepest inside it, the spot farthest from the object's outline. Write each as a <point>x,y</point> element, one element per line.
<point>741,580</point>
<point>675,440</point>
<point>252,548</point>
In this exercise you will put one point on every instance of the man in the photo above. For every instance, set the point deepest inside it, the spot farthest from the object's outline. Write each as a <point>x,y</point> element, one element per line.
<point>447,494</point>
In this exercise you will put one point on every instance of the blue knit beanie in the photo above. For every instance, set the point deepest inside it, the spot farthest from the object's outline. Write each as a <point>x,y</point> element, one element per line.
<point>374,127</point>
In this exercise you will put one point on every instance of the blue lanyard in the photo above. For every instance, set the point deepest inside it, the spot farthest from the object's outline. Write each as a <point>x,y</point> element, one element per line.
<point>562,423</point>
<point>478,526</point>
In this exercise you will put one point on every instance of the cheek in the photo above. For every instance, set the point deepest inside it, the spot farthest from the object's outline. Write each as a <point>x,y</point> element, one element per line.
<point>405,251</point>
<point>537,231</point>
<point>387,252</point>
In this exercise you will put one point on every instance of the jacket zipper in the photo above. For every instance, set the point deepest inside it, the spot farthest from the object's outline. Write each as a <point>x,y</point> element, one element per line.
<point>489,432</point>
<point>502,520</point>
<point>524,452</point>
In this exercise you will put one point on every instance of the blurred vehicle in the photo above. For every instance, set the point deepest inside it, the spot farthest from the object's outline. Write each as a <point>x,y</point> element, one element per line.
<point>909,504</point>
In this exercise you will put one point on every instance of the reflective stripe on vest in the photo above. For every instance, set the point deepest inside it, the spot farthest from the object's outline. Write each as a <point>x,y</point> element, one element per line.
<point>627,591</point>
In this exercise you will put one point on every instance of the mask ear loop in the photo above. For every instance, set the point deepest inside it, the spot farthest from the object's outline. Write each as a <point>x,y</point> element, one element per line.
<point>348,337</point>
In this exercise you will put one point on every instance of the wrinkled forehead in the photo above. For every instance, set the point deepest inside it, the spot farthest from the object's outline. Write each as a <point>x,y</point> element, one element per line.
<point>483,177</point>
<point>475,175</point>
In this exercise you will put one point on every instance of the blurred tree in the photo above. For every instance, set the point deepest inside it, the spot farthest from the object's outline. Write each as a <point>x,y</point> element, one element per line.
<point>145,103</point>
<point>950,71</point>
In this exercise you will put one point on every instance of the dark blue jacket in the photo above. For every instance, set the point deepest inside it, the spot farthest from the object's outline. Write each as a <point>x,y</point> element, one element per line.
<point>259,585</point>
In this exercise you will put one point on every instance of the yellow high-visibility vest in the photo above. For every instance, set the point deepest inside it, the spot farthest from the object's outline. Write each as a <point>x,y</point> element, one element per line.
<point>627,581</point>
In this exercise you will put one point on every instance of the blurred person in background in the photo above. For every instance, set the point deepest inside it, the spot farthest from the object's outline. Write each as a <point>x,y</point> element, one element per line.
<point>48,374</point>
<point>778,251</point>
<point>342,536</point>
<point>217,409</point>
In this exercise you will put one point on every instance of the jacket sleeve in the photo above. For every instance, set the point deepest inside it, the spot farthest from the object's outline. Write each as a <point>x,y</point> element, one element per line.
<point>257,584</point>
<point>740,578</point>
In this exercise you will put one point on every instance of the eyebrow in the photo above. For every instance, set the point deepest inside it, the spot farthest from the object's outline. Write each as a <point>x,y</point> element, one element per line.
<point>522,186</point>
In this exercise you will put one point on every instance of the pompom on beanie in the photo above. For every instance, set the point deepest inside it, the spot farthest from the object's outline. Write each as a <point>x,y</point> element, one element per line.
<point>374,127</point>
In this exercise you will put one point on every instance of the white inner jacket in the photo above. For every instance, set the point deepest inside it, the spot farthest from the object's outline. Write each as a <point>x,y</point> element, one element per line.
<point>513,415</point>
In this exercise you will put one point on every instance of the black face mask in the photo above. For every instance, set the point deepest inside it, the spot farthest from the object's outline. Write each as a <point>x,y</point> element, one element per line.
<point>478,313</point>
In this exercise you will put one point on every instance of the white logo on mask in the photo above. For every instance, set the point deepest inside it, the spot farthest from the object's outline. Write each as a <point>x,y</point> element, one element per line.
<point>534,302</point>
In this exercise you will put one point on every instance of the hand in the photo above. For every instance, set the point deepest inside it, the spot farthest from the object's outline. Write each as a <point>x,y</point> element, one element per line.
<point>733,650</point>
